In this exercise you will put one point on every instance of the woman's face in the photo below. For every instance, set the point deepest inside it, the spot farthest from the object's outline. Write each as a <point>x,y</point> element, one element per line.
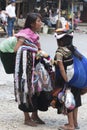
<point>37,25</point>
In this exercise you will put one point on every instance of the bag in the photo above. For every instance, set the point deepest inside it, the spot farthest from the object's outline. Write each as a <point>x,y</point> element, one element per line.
<point>44,78</point>
<point>69,100</point>
<point>8,61</point>
<point>8,45</point>
<point>61,95</point>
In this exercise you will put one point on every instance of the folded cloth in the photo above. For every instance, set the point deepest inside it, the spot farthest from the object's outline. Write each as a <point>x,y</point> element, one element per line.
<point>28,34</point>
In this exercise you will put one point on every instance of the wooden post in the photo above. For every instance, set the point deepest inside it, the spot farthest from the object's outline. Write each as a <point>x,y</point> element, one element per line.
<point>72,15</point>
<point>18,10</point>
<point>59,14</point>
<point>59,9</point>
<point>7,2</point>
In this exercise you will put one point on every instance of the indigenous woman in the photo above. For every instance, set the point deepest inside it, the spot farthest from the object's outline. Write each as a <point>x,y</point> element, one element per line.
<point>64,64</point>
<point>34,101</point>
<point>25,44</point>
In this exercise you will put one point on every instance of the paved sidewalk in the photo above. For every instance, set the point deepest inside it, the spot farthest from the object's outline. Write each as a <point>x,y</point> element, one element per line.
<point>82,27</point>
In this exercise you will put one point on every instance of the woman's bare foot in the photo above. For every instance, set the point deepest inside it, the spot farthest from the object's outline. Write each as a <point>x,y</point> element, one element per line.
<point>76,126</point>
<point>38,120</point>
<point>30,123</point>
<point>66,127</point>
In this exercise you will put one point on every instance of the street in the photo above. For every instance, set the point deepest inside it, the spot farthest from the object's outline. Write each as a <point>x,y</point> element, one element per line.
<point>11,118</point>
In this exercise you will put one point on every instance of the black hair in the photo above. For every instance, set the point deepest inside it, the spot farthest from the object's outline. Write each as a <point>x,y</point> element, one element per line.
<point>65,41</point>
<point>30,19</point>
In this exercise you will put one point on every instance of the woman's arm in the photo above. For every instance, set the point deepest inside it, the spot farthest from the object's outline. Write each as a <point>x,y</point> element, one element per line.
<point>20,42</point>
<point>62,70</point>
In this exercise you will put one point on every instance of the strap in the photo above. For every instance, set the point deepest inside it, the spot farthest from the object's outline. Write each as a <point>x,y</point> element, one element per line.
<point>65,86</point>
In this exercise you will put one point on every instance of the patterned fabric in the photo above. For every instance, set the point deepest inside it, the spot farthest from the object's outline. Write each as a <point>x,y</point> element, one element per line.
<point>62,52</point>
<point>64,55</point>
<point>24,88</point>
<point>29,79</point>
<point>29,35</point>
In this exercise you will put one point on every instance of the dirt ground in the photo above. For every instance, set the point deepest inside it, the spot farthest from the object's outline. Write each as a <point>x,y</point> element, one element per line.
<point>11,118</point>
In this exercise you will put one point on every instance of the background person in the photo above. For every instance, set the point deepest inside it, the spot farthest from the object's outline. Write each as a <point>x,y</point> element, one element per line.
<point>3,17</point>
<point>10,9</point>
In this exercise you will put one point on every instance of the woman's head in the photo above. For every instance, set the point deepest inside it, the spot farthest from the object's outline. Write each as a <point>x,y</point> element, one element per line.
<point>33,21</point>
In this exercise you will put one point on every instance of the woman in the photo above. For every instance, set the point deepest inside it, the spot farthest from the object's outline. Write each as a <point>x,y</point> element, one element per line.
<point>10,10</point>
<point>64,63</point>
<point>32,25</point>
<point>28,35</point>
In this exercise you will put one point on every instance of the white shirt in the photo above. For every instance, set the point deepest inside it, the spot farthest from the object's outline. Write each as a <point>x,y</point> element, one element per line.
<point>10,9</point>
<point>3,16</point>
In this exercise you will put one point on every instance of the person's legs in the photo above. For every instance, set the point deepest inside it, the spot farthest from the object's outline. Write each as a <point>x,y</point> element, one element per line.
<point>42,105</point>
<point>27,116</point>
<point>77,95</point>
<point>75,117</point>
<point>34,115</point>
<point>13,20</point>
<point>70,124</point>
<point>10,26</point>
<point>70,119</point>
<point>28,120</point>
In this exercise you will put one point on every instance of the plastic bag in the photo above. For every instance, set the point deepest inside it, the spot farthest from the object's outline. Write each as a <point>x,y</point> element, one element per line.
<point>69,100</point>
<point>44,78</point>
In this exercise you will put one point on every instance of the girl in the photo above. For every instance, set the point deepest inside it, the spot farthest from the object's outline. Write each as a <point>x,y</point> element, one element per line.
<point>64,63</point>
